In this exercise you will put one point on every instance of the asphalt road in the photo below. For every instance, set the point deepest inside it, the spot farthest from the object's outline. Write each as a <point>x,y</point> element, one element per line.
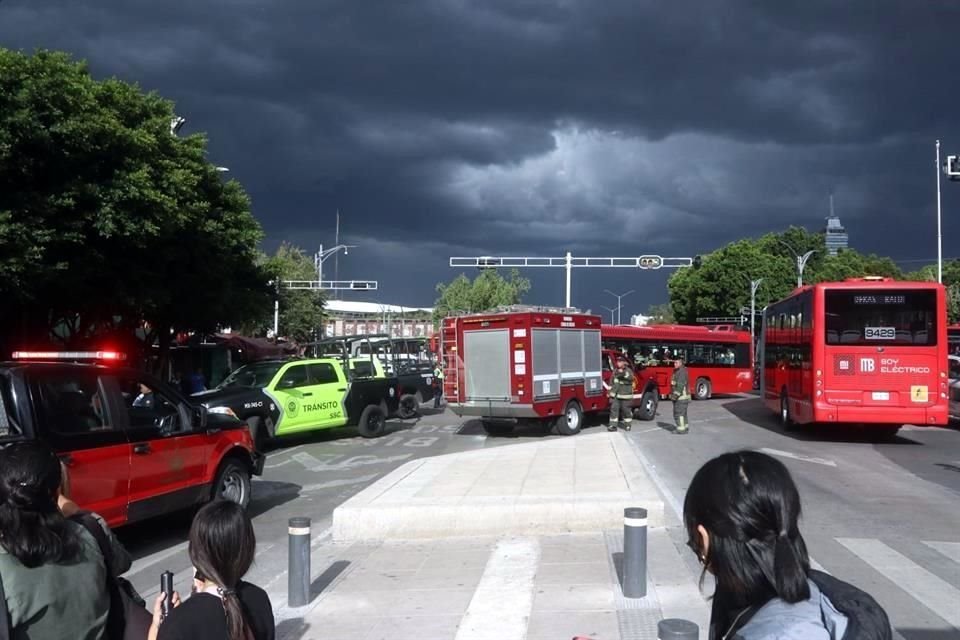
<point>308,476</point>
<point>883,516</point>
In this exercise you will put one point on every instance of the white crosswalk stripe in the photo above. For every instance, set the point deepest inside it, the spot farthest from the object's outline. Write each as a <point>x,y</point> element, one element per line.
<point>949,549</point>
<point>930,590</point>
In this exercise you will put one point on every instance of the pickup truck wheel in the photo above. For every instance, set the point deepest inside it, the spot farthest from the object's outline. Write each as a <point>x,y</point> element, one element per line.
<point>571,421</point>
<point>373,422</point>
<point>408,406</point>
<point>232,483</point>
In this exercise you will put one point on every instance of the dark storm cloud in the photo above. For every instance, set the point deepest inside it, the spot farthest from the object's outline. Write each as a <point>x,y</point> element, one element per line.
<point>520,127</point>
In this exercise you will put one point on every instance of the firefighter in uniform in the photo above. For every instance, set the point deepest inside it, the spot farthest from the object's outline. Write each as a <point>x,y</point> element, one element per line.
<point>437,384</point>
<point>621,395</point>
<point>680,394</point>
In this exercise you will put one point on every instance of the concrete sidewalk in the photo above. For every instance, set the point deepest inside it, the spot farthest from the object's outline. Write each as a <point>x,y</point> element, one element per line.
<point>509,543</point>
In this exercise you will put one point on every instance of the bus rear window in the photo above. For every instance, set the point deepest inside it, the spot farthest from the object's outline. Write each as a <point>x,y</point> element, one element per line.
<point>888,317</point>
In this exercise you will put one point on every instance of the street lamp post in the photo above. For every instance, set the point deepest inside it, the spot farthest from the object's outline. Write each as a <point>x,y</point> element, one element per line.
<point>618,296</point>
<point>612,311</point>
<point>754,285</point>
<point>801,260</point>
<point>321,256</point>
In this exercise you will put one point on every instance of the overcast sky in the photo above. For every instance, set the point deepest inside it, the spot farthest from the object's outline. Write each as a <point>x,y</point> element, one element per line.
<point>517,127</point>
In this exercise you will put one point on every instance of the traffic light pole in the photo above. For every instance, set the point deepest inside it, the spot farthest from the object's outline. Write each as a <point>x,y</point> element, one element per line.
<point>569,263</point>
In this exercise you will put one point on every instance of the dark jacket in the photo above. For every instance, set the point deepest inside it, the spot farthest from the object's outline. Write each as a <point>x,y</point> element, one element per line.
<point>835,610</point>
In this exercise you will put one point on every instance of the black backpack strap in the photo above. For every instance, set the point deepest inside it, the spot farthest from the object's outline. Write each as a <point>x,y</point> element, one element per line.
<point>86,519</point>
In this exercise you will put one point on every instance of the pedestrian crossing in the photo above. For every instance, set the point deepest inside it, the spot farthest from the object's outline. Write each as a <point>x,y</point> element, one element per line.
<point>916,597</point>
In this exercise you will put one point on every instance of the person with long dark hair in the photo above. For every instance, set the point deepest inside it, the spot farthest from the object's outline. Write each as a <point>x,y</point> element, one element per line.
<point>222,546</point>
<point>54,576</point>
<point>742,514</point>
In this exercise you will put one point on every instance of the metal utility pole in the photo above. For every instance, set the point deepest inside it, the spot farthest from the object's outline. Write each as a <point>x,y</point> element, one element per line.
<point>754,285</point>
<point>319,284</point>
<point>801,260</point>
<point>939,212</point>
<point>618,297</point>
<point>570,262</point>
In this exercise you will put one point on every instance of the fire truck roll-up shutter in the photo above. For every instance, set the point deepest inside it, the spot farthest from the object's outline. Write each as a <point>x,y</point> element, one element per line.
<point>593,375</point>
<point>546,364</point>
<point>571,357</point>
<point>486,356</point>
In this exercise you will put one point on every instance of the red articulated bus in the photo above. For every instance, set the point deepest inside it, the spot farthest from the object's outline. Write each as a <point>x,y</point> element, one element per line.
<point>719,358</point>
<point>867,351</point>
<point>527,364</point>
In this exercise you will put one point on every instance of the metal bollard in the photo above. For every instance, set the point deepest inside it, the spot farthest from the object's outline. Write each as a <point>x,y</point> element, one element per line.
<point>634,552</point>
<point>298,562</point>
<point>677,629</point>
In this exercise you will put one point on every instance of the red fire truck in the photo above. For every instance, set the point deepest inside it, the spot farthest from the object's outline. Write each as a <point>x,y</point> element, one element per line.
<point>864,351</point>
<point>525,364</point>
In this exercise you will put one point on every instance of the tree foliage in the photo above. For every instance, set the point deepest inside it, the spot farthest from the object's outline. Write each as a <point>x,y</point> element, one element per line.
<point>660,314</point>
<point>721,286</point>
<point>301,311</point>
<point>487,291</point>
<point>109,223</point>
<point>951,279</point>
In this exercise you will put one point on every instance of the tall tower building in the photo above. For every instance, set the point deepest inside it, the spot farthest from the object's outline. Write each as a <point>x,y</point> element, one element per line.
<point>835,235</point>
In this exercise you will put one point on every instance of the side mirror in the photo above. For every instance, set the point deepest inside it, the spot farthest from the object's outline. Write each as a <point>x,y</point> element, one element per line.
<point>167,423</point>
<point>200,417</point>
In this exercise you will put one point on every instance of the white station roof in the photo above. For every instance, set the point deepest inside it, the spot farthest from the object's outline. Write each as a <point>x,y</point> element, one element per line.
<point>351,306</point>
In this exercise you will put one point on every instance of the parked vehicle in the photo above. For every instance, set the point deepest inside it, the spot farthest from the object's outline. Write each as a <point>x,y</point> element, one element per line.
<point>527,364</point>
<point>135,447</point>
<point>283,397</point>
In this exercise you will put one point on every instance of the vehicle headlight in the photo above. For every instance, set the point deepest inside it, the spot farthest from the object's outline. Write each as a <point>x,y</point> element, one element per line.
<point>224,411</point>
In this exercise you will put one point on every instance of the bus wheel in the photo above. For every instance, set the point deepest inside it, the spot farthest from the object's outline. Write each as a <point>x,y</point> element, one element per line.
<point>785,420</point>
<point>702,390</point>
<point>572,419</point>
<point>648,406</point>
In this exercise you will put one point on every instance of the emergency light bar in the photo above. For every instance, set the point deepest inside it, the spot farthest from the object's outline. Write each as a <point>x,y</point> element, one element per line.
<point>69,355</point>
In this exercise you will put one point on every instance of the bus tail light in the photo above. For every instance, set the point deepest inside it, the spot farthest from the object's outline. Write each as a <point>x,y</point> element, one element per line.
<point>819,373</point>
<point>943,374</point>
<point>819,392</point>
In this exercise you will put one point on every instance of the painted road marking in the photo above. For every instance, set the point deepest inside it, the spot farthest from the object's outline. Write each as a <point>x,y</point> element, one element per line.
<point>798,456</point>
<point>306,459</point>
<point>356,461</point>
<point>934,593</point>
<point>154,558</point>
<point>949,549</point>
<point>501,605</point>
<point>271,490</point>
<point>278,464</point>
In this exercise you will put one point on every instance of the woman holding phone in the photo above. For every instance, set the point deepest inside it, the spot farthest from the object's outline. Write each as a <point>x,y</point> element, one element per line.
<point>222,546</point>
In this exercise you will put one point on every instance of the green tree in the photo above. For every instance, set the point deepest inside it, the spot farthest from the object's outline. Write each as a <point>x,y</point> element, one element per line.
<point>721,286</point>
<point>301,310</point>
<point>951,279</point>
<point>660,314</point>
<point>108,223</point>
<point>487,291</point>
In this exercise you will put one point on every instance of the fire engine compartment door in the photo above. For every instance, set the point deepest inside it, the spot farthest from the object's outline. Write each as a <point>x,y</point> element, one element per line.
<point>593,369</point>
<point>546,364</point>
<point>486,364</point>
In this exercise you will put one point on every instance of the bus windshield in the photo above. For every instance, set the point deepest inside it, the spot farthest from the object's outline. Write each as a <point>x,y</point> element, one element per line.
<point>880,318</point>
<point>252,375</point>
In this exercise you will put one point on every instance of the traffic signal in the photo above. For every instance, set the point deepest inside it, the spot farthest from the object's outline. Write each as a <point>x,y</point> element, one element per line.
<point>697,261</point>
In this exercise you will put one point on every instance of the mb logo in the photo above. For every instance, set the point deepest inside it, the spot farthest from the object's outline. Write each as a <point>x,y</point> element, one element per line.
<point>868,365</point>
